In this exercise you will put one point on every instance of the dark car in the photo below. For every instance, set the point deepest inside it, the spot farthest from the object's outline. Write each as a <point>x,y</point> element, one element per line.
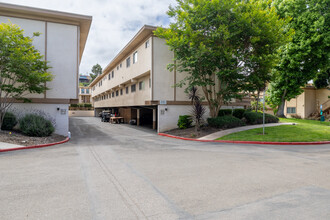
<point>105,116</point>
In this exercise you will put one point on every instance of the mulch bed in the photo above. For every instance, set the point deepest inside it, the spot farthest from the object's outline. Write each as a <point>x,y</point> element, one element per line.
<point>14,137</point>
<point>190,132</point>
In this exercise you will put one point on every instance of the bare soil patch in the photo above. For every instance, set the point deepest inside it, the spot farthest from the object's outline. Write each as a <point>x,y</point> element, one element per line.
<point>14,137</point>
<point>190,132</point>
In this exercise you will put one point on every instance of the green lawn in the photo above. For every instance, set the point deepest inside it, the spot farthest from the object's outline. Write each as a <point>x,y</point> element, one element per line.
<point>304,130</point>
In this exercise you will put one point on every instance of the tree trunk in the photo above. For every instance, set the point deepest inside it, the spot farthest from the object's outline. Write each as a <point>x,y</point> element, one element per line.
<point>257,106</point>
<point>280,110</point>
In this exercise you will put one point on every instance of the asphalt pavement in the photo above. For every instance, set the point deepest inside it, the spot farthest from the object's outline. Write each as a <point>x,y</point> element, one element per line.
<point>116,171</point>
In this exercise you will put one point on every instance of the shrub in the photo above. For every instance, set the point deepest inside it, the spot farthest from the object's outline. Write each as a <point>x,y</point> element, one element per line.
<point>223,112</point>
<point>257,118</point>
<point>239,113</point>
<point>226,121</point>
<point>74,105</point>
<point>35,125</point>
<point>184,121</point>
<point>87,105</point>
<point>9,121</point>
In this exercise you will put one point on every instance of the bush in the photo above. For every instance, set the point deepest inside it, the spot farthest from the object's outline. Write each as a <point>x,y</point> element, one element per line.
<point>226,121</point>
<point>239,113</point>
<point>9,121</point>
<point>87,105</point>
<point>223,112</point>
<point>257,118</point>
<point>184,121</point>
<point>35,125</point>
<point>74,105</point>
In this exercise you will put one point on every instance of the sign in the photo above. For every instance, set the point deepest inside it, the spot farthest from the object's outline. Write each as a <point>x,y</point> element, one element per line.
<point>162,102</point>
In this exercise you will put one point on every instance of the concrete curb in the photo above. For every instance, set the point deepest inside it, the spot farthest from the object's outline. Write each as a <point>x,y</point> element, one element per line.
<point>246,142</point>
<point>35,146</point>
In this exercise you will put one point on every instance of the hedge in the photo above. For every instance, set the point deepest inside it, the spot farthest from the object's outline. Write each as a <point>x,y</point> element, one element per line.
<point>226,121</point>
<point>257,118</point>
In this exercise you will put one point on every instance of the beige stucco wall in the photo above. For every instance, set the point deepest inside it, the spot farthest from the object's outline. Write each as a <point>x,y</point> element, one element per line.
<point>308,102</point>
<point>168,119</point>
<point>163,78</point>
<point>61,51</point>
<point>136,98</point>
<point>127,76</point>
<point>321,95</point>
<point>59,44</point>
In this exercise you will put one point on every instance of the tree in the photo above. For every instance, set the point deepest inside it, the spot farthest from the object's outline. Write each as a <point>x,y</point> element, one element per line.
<point>307,55</point>
<point>267,34</point>
<point>96,70</point>
<point>22,68</point>
<point>213,42</point>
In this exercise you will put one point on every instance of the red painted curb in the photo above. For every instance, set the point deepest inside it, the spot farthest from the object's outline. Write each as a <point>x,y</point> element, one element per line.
<point>35,146</point>
<point>246,142</point>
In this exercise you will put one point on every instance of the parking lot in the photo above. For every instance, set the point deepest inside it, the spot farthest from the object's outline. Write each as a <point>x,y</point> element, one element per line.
<point>120,171</point>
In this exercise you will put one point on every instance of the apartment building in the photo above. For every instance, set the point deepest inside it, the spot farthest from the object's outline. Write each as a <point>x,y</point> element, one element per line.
<point>62,42</point>
<point>137,85</point>
<point>309,102</point>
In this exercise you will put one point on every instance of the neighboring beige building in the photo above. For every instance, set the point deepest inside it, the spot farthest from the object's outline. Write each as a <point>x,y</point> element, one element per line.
<point>309,102</point>
<point>137,85</point>
<point>62,42</point>
<point>85,95</point>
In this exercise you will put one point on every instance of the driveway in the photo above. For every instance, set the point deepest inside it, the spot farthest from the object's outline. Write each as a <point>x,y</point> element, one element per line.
<point>114,171</point>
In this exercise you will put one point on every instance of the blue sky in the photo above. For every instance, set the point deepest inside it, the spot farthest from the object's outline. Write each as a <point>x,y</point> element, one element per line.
<point>115,22</point>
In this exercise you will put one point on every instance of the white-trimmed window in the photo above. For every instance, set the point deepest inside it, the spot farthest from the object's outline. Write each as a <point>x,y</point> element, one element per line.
<point>147,44</point>
<point>128,62</point>
<point>133,88</point>
<point>127,90</point>
<point>113,73</point>
<point>82,91</point>
<point>291,110</point>
<point>135,57</point>
<point>141,85</point>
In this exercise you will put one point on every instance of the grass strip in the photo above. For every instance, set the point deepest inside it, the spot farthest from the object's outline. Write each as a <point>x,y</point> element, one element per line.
<point>303,131</point>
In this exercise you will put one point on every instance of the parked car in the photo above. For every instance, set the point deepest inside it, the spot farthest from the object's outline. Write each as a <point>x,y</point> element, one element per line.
<point>105,116</point>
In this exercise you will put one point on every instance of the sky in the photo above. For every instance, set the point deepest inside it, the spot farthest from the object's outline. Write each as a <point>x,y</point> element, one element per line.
<point>115,22</point>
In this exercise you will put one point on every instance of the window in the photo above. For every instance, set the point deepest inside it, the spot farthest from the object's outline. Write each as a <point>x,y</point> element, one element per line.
<point>149,83</point>
<point>128,62</point>
<point>127,90</point>
<point>113,94</point>
<point>291,110</point>
<point>109,76</point>
<point>135,56</point>
<point>147,44</point>
<point>141,85</point>
<point>82,91</point>
<point>117,67</point>
<point>117,93</point>
<point>113,73</point>
<point>133,88</point>
<point>120,65</point>
<point>121,91</point>
<point>87,91</point>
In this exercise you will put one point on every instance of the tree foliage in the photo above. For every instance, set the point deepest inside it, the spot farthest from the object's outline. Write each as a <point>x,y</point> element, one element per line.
<point>23,69</point>
<point>307,56</point>
<point>222,44</point>
<point>96,70</point>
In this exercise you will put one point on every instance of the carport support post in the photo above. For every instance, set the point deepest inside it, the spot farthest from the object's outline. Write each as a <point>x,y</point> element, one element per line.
<point>138,117</point>
<point>154,119</point>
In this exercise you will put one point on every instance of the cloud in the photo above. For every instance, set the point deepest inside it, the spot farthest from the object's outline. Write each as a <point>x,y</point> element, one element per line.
<point>114,23</point>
